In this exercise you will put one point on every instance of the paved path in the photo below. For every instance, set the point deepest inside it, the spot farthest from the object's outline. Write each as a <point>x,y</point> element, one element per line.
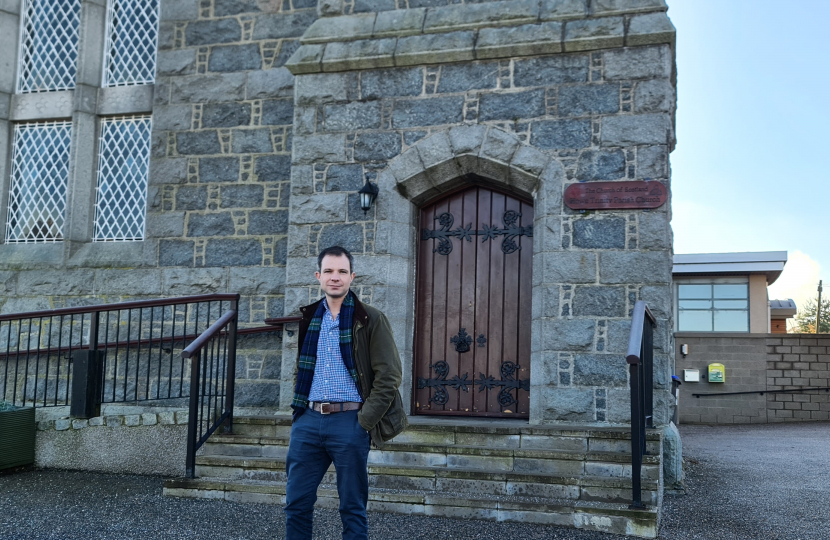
<point>753,482</point>
<point>745,482</point>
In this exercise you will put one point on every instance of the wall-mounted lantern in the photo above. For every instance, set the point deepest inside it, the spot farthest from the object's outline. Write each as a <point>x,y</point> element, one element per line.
<point>367,193</point>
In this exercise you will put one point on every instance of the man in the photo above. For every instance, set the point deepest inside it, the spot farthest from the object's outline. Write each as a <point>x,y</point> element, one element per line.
<point>346,396</point>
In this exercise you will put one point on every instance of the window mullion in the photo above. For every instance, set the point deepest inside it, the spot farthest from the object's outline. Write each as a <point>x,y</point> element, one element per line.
<point>83,179</point>
<point>5,162</point>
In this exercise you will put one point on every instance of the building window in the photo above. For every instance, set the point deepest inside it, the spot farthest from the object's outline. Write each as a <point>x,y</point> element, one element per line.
<point>40,170</point>
<point>123,160</point>
<point>49,45</point>
<point>132,37</point>
<point>720,305</point>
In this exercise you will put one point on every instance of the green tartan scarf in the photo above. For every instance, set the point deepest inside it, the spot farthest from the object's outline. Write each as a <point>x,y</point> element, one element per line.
<point>308,351</point>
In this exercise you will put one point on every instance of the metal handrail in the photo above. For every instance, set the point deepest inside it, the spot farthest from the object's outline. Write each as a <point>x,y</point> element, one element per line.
<point>120,306</point>
<point>635,338</point>
<point>273,325</point>
<point>762,392</point>
<point>200,428</point>
<point>213,383</point>
<point>279,321</point>
<point>211,332</point>
<point>640,359</point>
<point>102,352</point>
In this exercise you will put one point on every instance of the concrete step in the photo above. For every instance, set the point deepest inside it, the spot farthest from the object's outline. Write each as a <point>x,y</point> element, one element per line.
<point>488,433</point>
<point>579,476</point>
<point>239,449</point>
<point>591,515</point>
<point>461,480</point>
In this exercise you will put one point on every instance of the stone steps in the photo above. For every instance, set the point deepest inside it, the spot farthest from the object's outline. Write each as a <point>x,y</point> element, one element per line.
<point>460,480</point>
<point>249,450</point>
<point>591,515</point>
<point>489,433</point>
<point>579,476</point>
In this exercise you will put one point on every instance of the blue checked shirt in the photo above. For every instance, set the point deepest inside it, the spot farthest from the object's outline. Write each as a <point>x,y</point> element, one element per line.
<point>331,382</point>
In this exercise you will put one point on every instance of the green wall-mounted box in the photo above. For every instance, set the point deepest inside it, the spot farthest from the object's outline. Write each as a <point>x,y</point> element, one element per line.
<point>17,438</point>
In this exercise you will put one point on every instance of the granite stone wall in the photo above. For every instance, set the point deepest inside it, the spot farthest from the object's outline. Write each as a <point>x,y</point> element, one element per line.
<point>255,167</point>
<point>414,113</point>
<point>217,215</point>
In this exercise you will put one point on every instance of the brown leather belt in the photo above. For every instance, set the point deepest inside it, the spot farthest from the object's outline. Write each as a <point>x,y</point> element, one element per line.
<point>328,408</point>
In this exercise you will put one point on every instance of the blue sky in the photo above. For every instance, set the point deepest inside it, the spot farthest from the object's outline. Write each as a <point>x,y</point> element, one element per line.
<point>750,170</point>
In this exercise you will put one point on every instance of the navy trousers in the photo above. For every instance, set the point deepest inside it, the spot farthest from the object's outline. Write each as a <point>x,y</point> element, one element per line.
<point>317,441</point>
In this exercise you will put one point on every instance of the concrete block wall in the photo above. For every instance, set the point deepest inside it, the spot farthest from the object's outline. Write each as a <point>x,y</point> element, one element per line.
<point>756,362</point>
<point>798,361</point>
<point>744,356</point>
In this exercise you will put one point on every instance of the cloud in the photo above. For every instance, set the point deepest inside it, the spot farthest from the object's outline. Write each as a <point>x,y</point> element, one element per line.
<point>798,281</point>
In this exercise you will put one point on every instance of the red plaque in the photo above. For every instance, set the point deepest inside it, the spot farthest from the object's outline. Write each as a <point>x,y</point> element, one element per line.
<point>613,195</point>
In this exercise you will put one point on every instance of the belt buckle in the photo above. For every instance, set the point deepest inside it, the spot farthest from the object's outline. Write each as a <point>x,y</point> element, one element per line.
<point>322,407</point>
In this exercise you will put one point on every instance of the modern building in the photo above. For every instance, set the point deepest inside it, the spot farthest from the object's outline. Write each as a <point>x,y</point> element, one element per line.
<point>727,292</point>
<point>735,360</point>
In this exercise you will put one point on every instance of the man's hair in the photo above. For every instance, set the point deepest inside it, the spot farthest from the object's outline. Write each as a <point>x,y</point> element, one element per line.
<point>335,251</point>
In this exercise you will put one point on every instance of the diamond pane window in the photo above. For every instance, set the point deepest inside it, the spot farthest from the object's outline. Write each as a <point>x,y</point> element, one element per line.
<point>37,192</point>
<point>49,45</point>
<point>132,38</point>
<point>123,158</point>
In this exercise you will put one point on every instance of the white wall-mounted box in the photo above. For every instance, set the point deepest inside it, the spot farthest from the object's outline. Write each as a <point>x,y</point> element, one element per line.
<point>691,375</point>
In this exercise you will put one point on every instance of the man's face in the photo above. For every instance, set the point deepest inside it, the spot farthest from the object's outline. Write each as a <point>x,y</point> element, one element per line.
<point>335,276</point>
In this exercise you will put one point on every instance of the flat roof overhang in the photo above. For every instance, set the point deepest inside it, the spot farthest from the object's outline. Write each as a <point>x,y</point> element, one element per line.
<point>770,263</point>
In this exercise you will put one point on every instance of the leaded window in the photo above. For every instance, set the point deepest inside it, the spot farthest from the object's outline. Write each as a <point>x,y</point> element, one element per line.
<point>720,305</point>
<point>49,45</point>
<point>40,171</point>
<point>123,160</point>
<point>132,36</point>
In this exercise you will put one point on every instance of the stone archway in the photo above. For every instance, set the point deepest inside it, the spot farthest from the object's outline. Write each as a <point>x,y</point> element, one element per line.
<point>433,165</point>
<point>440,164</point>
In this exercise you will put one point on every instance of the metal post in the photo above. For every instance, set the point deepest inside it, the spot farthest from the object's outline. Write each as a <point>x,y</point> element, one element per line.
<point>231,365</point>
<point>94,321</point>
<point>193,416</point>
<point>648,373</point>
<point>636,434</point>
<point>86,388</point>
<point>818,308</point>
<point>93,330</point>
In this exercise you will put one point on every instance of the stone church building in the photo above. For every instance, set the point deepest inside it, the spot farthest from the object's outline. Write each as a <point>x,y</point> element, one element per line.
<point>243,131</point>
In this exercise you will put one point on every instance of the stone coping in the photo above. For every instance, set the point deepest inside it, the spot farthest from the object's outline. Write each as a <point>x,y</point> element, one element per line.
<point>730,335</point>
<point>459,424</point>
<point>464,32</point>
<point>168,418</point>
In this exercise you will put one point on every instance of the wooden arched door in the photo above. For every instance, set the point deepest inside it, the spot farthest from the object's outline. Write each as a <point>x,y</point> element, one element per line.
<point>472,348</point>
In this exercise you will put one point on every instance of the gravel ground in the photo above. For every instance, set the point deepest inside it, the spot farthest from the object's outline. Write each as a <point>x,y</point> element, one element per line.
<point>744,482</point>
